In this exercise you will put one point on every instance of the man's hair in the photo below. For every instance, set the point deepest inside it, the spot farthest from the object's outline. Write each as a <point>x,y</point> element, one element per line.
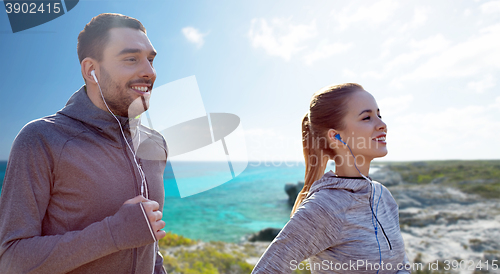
<point>93,38</point>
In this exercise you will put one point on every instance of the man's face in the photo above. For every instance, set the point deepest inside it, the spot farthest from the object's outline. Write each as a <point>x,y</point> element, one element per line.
<point>126,71</point>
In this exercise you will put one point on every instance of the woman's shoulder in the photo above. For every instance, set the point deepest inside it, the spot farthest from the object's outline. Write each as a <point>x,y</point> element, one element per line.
<point>386,195</point>
<point>329,200</point>
<point>342,186</point>
<point>323,208</point>
<point>381,187</point>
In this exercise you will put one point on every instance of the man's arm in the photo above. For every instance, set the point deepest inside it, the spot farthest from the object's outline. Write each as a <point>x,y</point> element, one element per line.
<point>24,199</point>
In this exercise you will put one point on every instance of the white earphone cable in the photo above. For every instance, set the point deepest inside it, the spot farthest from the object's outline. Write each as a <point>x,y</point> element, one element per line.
<point>141,172</point>
<point>144,186</point>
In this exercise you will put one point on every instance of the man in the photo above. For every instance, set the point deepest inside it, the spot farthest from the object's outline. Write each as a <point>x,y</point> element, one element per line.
<point>81,194</point>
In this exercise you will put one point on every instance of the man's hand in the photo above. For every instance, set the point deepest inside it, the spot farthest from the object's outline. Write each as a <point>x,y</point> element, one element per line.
<point>152,212</point>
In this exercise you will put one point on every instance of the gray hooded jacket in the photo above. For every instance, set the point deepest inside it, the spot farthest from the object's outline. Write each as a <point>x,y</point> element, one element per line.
<point>335,228</point>
<point>61,206</point>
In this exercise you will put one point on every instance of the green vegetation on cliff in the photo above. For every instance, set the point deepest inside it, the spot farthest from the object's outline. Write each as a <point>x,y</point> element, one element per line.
<point>476,177</point>
<point>182,255</point>
<point>186,256</point>
<point>172,240</point>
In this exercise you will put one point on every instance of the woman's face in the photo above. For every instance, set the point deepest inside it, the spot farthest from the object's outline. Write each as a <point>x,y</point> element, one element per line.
<point>364,130</point>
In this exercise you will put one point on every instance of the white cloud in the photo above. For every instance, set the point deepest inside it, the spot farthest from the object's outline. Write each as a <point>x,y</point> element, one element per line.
<point>490,7</point>
<point>433,44</point>
<point>468,58</point>
<point>194,36</point>
<point>349,73</point>
<point>374,74</point>
<point>392,105</point>
<point>497,103</point>
<point>420,15</point>
<point>386,47</point>
<point>375,13</point>
<point>280,37</point>
<point>325,51</point>
<point>389,42</point>
<point>469,132</point>
<point>418,49</point>
<point>480,86</point>
<point>283,38</point>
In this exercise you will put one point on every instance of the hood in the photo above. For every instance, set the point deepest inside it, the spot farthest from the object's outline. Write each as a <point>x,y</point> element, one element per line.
<point>80,107</point>
<point>331,181</point>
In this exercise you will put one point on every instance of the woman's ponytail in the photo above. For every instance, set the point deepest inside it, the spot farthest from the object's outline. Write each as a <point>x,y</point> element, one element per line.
<point>315,160</point>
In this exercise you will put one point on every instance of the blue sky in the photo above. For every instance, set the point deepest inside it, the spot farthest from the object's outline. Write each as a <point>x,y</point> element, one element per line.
<point>432,66</point>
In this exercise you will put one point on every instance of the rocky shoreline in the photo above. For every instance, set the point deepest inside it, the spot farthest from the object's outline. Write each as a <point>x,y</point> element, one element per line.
<point>440,224</point>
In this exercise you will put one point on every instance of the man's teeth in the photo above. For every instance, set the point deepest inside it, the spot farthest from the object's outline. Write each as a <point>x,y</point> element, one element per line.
<point>143,89</point>
<point>380,139</point>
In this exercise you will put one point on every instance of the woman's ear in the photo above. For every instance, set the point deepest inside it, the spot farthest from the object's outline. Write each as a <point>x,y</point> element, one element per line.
<point>331,135</point>
<point>334,138</point>
<point>332,142</point>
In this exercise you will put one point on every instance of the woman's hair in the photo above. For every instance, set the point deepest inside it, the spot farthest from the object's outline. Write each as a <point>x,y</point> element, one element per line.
<point>327,110</point>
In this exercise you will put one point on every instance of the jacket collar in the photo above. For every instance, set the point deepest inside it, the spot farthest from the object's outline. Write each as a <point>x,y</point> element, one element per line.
<point>81,108</point>
<point>331,181</point>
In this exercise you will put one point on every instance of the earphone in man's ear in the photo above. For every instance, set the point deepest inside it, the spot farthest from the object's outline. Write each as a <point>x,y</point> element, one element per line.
<point>93,74</point>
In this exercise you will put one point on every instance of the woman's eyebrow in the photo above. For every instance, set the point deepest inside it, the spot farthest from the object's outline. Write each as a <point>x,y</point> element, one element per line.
<point>368,110</point>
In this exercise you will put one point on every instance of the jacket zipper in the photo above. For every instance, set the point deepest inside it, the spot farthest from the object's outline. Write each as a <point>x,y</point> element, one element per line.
<point>383,231</point>
<point>373,215</point>
<point>132,170</point>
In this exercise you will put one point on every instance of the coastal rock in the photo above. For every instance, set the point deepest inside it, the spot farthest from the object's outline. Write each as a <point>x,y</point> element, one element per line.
<point>443,223</point>
<point>293,190</point>
<point>452,231</point>
<point>387,177</point>
<point>265,235</point>
<point>422,196</point>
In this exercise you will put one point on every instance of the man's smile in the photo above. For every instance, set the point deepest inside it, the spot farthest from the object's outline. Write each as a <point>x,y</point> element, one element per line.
<point>141,89</point>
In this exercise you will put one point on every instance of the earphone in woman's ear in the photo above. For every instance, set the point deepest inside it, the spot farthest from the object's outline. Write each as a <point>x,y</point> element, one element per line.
<point>93,74</point>
<point>337,136</point>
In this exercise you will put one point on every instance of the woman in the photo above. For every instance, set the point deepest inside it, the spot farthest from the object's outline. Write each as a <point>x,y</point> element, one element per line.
<point>343,222</point>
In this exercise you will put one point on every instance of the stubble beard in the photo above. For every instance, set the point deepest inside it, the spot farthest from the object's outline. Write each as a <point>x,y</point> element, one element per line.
<point>117,98</point>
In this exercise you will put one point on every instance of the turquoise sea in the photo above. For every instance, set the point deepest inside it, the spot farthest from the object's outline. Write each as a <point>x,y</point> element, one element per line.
<point>254,200</point>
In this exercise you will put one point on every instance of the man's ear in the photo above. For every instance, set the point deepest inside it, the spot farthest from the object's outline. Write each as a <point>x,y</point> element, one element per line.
<point>88,65</point>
